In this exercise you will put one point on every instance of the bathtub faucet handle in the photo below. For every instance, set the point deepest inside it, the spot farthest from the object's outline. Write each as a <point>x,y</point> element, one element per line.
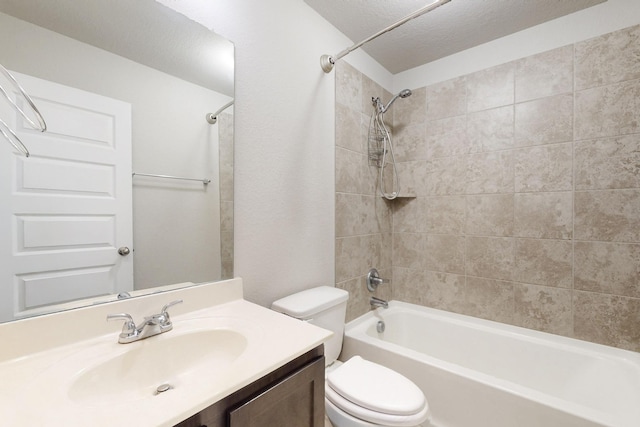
<point>374,280</point>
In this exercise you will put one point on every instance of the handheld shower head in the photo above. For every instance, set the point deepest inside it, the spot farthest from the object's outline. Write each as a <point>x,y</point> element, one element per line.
<point>404,93</point>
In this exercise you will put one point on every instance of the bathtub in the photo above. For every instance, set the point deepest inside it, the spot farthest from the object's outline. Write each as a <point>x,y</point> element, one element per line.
<point>478,373</point>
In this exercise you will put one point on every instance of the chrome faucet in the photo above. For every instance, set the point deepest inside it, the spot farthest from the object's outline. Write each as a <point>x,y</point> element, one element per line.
<point>152,325</point>
<point>377,302</point>
<point>374,280</point>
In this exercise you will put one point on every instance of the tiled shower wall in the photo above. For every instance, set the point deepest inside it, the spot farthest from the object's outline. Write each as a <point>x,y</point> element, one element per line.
<point>225,141</point>
<point>527,183</point>
<point>363,219</point>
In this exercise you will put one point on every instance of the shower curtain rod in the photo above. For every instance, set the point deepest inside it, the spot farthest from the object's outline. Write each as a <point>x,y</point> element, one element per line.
<point>328,61</point>
<point>212,118</point>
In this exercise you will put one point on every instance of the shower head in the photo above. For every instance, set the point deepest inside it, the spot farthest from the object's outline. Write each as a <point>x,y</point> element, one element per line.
<point>404,93</point>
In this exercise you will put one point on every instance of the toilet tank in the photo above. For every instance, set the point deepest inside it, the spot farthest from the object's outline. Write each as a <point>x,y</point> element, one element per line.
<point>323,306</point>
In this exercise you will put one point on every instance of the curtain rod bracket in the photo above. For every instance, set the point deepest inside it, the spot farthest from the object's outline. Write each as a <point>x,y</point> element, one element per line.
<point>328,61</point>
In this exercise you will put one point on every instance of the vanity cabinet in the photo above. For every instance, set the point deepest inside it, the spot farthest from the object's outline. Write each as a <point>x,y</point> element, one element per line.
<point>292,395</point>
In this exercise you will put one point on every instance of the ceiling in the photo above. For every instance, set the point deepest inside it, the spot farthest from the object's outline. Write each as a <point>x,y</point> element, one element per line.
<point>451,28</point>
<point>142,30</point>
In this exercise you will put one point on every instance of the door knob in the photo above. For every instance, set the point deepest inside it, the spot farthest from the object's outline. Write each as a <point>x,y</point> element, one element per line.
<point>124,251</point>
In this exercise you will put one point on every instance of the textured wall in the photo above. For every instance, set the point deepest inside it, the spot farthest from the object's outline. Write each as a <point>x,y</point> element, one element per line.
<point>528,192</point>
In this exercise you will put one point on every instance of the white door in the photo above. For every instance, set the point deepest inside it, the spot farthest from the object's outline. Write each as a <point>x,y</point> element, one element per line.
<point>66,210</point>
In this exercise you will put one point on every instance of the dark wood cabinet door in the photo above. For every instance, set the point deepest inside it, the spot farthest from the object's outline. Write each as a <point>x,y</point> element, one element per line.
<point>297,400</point>
<point>292,392</point>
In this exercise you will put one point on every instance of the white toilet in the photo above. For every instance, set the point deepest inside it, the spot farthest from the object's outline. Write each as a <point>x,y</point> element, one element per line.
<point>358,393</point>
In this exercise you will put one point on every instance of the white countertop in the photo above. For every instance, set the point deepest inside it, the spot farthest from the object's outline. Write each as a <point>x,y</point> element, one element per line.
<point>39,358</point>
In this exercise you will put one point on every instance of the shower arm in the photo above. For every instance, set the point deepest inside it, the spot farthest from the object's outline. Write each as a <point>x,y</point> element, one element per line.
<point>328,61</point>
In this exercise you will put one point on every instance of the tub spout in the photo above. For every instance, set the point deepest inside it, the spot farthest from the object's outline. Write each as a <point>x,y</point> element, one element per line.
<point>377,302</point>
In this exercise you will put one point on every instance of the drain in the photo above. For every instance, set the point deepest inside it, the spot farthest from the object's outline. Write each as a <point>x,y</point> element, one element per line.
<point>162,388</point>
<point>380,327</point>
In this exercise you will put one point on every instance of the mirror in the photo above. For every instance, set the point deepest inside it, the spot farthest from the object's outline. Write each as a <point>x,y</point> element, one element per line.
<point>108,74</point>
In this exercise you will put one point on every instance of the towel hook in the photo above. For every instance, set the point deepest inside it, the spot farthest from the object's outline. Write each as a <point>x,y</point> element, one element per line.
<point>41,125</point>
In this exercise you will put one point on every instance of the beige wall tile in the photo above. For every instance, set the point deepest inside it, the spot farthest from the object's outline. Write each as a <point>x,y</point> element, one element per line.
<point>409,250</point>
<point>544,168</point>
<point>376,252</point>
<point>493,87</point>
<point>610,58</point>
<point>445,253</point>
<point>349,171</point>
<point>543,308</point>
<point>377,215</point>
<point>545,74</point>
<point>358,302</point>
<point>226,216</point>
<point>357,254</point>
<point>609,215</point>
<point>607,111</point>
<point>386,254</point>
<point>544,262</point>
<point>409,143</point>
<point>371,89</point>
<point>410,215</point>
<point>490,257</point>
<point>544,215</point>
<point>370,179</point>
<point>447,99</point>
<point>226,245</point>
<point>412,176</point>
<point>446,176</point>
<point>489,215</point>
<point>544,121</point>
<point>607,319</point>
<point>348,86</point>
<point>446,214</point>
<point>444,291</point>
<point>489,299</point>
<point>490,173</point>
<point>411,110</point>
<point>357,214</point>
<point>490,130</point>
<point>611,268</point>
<point>365,127</point>
<point>409,285</point>
<point>608,163</point>
<point>348,258</point>
<point>347,218</point>
<point>348,128</point>
<point>447,137</point>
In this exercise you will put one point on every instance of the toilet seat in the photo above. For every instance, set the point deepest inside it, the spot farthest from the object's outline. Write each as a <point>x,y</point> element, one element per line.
<point>376,394</point>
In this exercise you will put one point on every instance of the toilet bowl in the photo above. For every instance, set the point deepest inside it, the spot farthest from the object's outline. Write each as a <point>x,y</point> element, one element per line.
<point>358,393</point>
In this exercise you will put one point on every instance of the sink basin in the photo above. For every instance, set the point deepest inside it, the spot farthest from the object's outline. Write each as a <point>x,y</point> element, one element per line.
<point>138,369</point>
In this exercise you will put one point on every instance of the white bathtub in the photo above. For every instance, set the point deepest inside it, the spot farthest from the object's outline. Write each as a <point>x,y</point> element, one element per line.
<point>478,373</point>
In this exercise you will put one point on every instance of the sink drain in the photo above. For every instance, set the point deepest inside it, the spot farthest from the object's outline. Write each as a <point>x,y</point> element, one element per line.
<point>162,388</point>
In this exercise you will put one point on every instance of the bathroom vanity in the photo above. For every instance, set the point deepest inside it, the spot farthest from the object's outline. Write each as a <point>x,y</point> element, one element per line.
<point>290,396</point>
<point>225,362</point>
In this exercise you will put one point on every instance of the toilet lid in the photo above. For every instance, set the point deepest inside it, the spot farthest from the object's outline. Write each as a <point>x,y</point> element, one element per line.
<point>351,410</point>
<point>376,388</point>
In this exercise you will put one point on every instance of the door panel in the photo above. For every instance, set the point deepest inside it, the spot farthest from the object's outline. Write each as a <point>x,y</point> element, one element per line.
<point>66,209</point>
